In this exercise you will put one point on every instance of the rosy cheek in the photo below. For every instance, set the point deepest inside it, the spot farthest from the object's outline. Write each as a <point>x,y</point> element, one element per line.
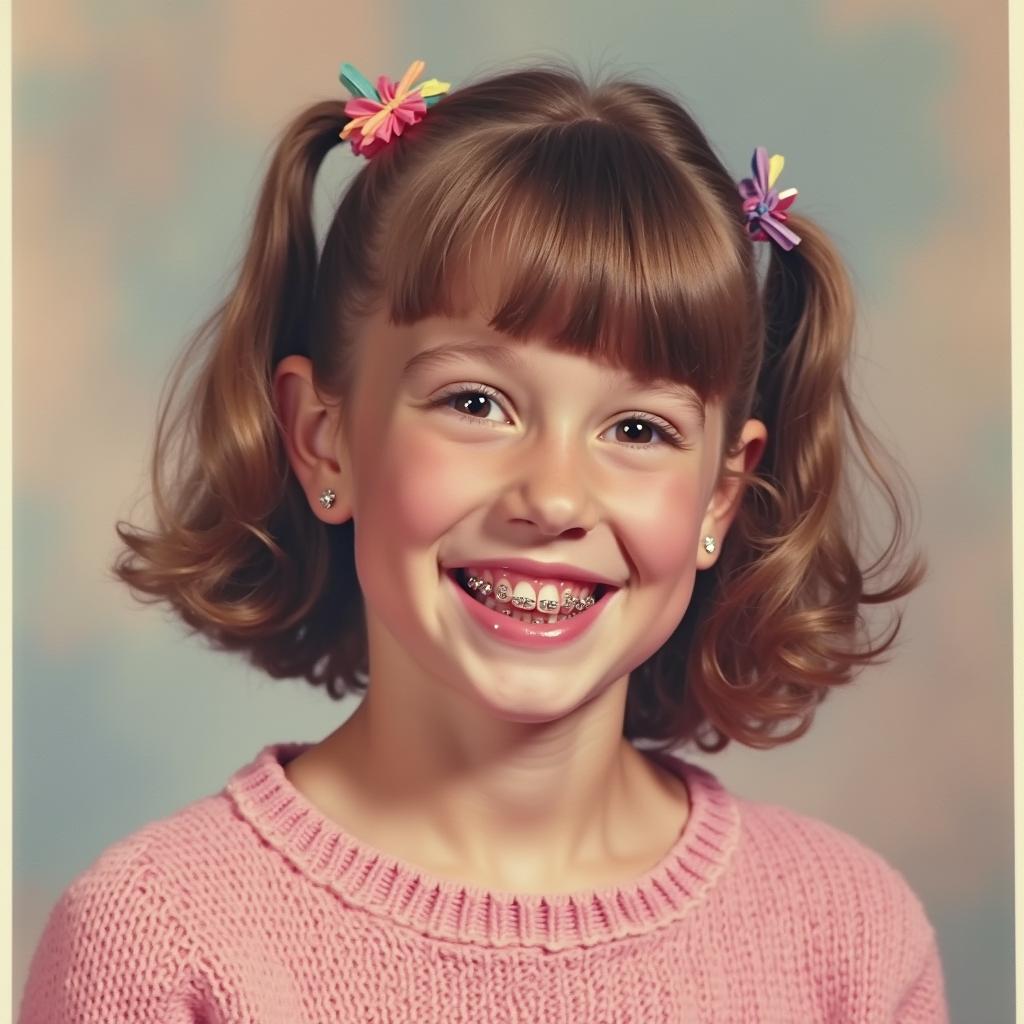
<point>417,485</point>
<point>662,527</point>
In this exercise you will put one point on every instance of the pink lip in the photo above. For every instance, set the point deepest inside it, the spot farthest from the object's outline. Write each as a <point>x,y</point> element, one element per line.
<point>537,570</point>
<point>534,635</point>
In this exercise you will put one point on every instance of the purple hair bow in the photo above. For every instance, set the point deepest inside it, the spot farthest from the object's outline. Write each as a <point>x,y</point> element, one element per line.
<point>765,208</point>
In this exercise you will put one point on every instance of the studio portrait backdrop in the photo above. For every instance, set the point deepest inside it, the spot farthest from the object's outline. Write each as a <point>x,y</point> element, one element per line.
<point>140,140</point>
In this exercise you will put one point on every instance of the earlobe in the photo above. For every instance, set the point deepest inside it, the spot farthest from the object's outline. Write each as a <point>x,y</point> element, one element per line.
<point>728,494</point>
<point>327,507</point>
<point>710,545</point>
<point>310,438</point>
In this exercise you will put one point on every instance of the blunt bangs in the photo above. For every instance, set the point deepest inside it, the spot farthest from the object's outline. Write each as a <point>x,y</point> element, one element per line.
<point>598,243</point>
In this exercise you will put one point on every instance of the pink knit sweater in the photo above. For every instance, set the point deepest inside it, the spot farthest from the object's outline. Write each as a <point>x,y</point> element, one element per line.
<point>251,906</point>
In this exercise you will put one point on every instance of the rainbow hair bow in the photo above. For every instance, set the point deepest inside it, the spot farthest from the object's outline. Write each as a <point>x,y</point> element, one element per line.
<point>765,208</point>
<point>378,115</point>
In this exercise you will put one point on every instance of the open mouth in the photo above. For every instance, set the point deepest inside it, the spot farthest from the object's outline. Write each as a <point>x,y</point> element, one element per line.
<point>569,607</point>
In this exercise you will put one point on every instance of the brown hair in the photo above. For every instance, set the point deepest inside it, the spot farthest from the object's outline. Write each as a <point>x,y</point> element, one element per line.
<point>624,239</point>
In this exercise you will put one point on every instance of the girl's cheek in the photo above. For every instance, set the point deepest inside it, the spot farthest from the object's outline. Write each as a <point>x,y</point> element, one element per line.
<point>418,485</point>
<point>661,528</point>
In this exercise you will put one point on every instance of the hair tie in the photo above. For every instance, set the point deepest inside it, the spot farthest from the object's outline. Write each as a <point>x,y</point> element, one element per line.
<point>765,208</point>
<point>383,113</point>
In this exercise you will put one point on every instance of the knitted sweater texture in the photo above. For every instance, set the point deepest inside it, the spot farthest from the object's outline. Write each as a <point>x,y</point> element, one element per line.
<point>252,907</point>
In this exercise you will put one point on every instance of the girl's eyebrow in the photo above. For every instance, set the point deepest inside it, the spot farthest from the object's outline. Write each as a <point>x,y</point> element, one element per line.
<point>442,355</point>
<point>678,392</point>
<point>509,358</point>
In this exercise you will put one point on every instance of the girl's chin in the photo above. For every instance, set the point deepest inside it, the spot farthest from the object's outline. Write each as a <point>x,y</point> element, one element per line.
<point>531,695</point>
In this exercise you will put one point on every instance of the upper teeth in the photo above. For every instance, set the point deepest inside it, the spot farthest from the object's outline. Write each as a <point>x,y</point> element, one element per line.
<point>526,596</point>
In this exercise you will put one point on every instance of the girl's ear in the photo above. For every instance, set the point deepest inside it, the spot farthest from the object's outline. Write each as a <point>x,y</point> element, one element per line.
<point>725,500</point>
<point>314,439</point>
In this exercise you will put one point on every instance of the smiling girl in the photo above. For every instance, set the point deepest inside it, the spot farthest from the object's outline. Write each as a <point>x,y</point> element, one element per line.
<point>531,457</point>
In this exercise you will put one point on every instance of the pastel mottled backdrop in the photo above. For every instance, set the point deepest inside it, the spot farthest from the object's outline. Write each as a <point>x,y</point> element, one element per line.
<point>140,135</point>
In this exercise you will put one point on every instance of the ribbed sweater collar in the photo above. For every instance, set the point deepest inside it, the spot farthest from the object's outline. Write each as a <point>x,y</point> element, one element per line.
<point>387,887</point>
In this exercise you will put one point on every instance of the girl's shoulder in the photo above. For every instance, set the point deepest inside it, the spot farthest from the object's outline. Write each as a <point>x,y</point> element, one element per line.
<point>153,866</point>
<point>827,874</point>
<point>121,934</point>
<point>195,846</point>
<point>812,844</point>
<point>814,873</point>
<point>186,851</point>
<point>834,902</point>
<point>133,929</point>
<point>767,843</point>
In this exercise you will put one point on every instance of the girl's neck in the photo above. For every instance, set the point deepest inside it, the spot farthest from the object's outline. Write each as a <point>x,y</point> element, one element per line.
<point>452,826</point>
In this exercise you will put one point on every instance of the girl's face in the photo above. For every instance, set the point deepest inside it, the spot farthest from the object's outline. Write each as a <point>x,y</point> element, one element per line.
<point>467,446</point>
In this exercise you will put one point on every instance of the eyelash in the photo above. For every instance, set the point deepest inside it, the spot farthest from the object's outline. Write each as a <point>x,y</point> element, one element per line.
<point>668,432</point>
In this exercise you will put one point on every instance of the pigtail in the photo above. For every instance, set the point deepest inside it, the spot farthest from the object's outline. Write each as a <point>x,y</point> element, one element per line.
<point>236,551</point>
<point>783,619</point>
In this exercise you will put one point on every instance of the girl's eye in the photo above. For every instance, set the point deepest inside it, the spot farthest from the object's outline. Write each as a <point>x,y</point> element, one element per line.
<point>640,426</point>
<point>471,402</point>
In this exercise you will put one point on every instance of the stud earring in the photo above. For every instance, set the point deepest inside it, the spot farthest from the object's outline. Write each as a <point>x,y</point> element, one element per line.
<point>709,545</point>
<point>327,497</point>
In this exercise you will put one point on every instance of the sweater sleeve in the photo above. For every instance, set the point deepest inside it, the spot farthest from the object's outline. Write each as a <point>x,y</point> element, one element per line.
<point>924,1001</point>
<point>112,949</point>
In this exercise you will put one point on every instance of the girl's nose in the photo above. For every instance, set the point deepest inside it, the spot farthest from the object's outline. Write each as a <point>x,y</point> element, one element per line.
<point>554,489</point>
